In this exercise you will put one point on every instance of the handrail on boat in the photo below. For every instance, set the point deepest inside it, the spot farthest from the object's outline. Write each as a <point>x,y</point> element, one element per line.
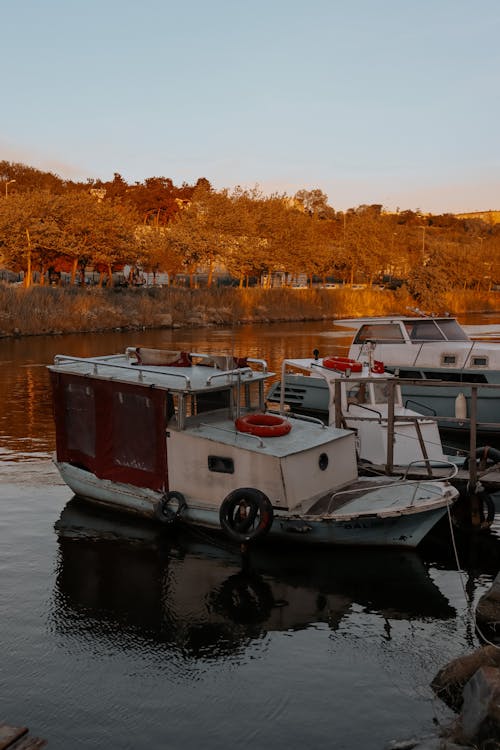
<point>433,463</point>
<point>304,418</point>
<point>403,482</point>
<point>421,406</point>
<point>61,358</point>
<point>367,408</point>
<point>261,362</point>
<point>224,373</point>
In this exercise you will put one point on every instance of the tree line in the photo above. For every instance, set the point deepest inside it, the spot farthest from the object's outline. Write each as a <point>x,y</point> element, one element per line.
<point>49,225</point>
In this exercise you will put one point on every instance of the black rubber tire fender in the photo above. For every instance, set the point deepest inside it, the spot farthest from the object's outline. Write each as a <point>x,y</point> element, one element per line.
<point>257,507</point>
<point>171,507</point>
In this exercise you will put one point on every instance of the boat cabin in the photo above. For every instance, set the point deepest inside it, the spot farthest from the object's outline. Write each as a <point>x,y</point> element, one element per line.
<point>112,413</point>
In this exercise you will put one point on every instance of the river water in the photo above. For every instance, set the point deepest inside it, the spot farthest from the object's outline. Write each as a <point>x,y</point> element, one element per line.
<point>119,634</point>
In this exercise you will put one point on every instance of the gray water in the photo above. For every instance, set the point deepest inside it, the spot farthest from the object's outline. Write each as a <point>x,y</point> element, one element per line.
<point>118,634</point>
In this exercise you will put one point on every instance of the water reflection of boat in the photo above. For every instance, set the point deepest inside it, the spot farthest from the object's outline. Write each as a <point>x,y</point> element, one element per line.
<point>137,580</point>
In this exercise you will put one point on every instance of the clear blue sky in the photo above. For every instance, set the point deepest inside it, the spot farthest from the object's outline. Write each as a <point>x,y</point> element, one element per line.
<point>374,101</point>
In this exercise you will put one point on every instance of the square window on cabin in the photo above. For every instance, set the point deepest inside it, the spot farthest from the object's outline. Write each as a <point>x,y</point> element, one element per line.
<point>479,362</point>
<point>448,359</point>
<point>221,464</point>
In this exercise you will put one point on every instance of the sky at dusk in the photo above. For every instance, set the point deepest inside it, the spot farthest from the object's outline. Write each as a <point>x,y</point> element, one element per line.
<point>390,101</point>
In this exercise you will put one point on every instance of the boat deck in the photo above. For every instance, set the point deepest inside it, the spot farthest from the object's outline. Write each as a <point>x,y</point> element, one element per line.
<point>386,498</point>
<point>304,434</point>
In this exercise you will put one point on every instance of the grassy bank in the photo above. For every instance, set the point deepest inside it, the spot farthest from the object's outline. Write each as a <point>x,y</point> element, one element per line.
<point>53,310</point>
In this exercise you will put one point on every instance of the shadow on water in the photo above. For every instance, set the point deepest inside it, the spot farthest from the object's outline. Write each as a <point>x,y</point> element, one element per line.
<point>193,596</point>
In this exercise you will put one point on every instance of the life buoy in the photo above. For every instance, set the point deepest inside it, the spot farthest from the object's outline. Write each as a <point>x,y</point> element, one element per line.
<point>170,508</point>
<point>263,425</point>
<point>246,514</point>
<point>342,364</point>
<point>378,367</point>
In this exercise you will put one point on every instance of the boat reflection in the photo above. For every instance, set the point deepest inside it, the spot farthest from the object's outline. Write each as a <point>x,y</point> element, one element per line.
<point>117,575</point>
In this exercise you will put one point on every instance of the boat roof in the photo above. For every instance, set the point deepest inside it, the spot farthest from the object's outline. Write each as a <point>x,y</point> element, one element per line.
<point>197,373</point>
<point>354,322</point>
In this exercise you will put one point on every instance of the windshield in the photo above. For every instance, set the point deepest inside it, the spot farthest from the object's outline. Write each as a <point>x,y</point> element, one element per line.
<point>434,330</point>
<point>379,333</point>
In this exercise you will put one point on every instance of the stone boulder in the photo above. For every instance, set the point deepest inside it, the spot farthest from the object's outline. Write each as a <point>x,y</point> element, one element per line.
<point>480,720</point>
<point>450,681</point>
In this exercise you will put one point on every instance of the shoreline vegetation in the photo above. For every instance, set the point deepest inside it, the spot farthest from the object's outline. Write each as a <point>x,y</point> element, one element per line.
<point>60,310</point>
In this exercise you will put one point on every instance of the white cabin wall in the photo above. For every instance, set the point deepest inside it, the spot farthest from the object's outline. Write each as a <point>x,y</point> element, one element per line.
<point>188,472</point>
<point>305,482</point>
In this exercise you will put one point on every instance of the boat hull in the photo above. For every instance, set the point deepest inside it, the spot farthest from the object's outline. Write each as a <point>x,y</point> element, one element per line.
<point>402,529</point>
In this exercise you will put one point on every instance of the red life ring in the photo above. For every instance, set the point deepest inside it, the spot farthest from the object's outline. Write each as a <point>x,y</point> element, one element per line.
<point>378,367</point>
<point>342,364</point>
<point>263,425</point>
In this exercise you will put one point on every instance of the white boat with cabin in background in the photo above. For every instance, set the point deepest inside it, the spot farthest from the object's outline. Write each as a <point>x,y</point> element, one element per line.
<point>181,436</point>
<point>365,398</point>
<point>434,349</point>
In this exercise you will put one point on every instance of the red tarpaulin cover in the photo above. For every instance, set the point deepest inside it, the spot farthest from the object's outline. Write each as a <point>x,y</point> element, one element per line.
<point>115,430</point>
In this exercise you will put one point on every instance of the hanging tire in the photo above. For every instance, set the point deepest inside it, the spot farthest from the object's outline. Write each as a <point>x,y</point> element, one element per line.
<point>246,514</point>
<point>171,507</point>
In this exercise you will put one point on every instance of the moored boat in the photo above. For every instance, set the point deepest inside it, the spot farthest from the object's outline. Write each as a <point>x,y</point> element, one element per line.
<point>434,350</point>
<point>178,435</point>
<point>363,397</point>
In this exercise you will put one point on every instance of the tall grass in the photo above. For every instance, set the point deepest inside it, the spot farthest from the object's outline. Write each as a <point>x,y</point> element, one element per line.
<point>42,310</point>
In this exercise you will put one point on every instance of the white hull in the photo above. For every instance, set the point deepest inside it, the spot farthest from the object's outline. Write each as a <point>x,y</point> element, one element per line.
<point>381,517</point>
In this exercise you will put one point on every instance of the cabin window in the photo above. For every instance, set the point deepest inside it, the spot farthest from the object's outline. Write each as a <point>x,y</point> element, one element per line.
<point>423,330</point>
<point>221,464</point>
<point>79,418</point>
<point>379,333</point>
<point>448,359</point>
<point>134,431</point>
<point>479,362</point>
<point>451,330</point>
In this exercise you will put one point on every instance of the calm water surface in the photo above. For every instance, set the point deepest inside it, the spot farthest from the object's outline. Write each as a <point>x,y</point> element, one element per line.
<point>120,635</point>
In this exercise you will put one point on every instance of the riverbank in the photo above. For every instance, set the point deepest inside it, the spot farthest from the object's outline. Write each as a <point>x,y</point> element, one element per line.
<point>58,310</point>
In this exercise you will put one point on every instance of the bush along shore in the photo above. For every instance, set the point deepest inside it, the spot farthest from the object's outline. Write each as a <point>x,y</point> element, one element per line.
<point>43,310</point>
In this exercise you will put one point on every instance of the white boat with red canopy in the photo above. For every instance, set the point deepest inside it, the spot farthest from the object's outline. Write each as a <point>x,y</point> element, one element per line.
<point>183,436</point>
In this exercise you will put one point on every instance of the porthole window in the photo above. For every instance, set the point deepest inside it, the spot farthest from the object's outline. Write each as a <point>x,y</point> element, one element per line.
<point>323,461</point>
